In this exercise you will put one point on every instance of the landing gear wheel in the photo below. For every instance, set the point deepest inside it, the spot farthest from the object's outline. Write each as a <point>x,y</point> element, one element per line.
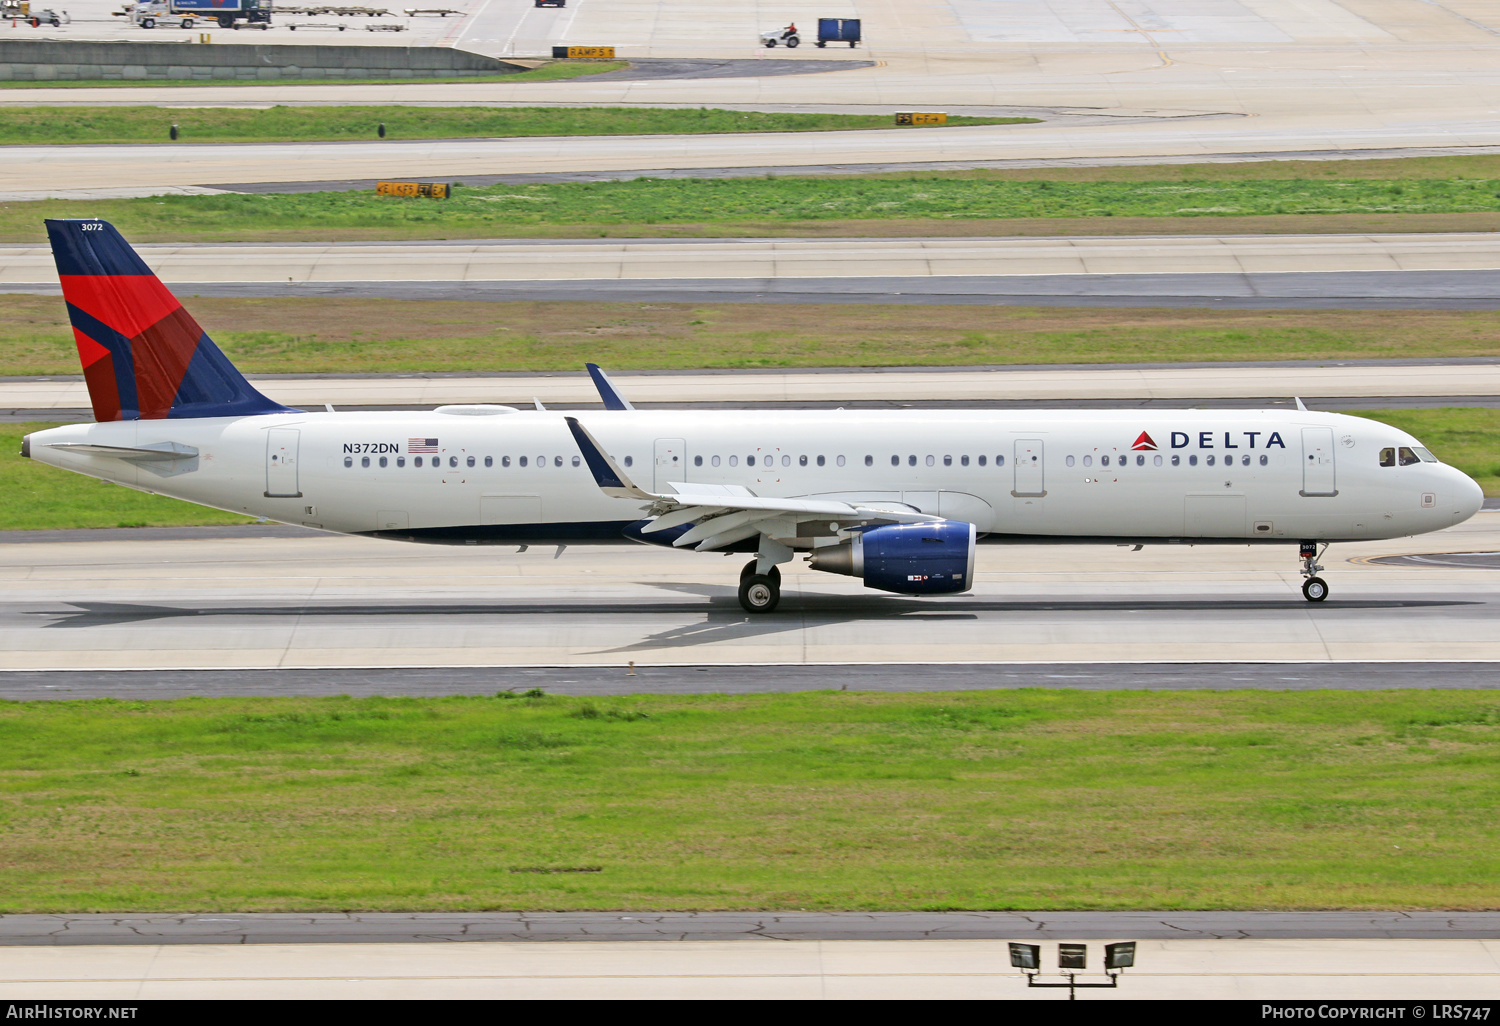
<point>759,593</point>
<point>1315,589</point>
<point>749,569</point>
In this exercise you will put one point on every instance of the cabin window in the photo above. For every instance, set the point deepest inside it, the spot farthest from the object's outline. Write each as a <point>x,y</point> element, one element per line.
<point>1088,461</point>
<point>577,461</point>
<point>895,461</point>
<point>1103,461</point>
<point>981,460</point>
<point>400,461</point>
<point>1069,461</point>
<point>749,461</point>
<point>1263,460</point>
<point>557,461</point>
<point>348,461</point>
<point>382,461</point>
<point>999,461</point>
<point>869,461</point>
<point>1140,461</point>
<point>715,461</point>
<point>1209,460</point>
<point>839,461</point>
<point>1156,460</point>
<point>947,461</point>
<point>1244,461</point>
<point>1388,456</point>
<point>802,461</point>
<point>963,460</point>
<point>452,461</point>
<point>1192,461</point>
<point>364,461</point>
<point>820,461</point>
<point>417,462</point>
<point>521,461</point>
<point>630,461</point>
<point>697,461</point>
<point>489,461</point>
<point>911,461</point>
<point>505,461</point>
<point>1176,460</point>
<point>931,461</point>
<point>1405,457</point>
<point>734,461</point>
<point>786,461</point>
<point>469,461</point>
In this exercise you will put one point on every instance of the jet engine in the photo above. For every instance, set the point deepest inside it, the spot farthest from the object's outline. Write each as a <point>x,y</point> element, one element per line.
<point>909,559</point>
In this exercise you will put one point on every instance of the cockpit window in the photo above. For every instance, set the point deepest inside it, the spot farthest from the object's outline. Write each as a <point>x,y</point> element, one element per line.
<point>1424,455</point>
<point>1406,457</point>
<point>1388,457</point>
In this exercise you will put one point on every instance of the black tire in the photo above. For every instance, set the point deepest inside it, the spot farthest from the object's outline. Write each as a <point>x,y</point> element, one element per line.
<point>770,44</point>
<point>148,23</point>
<point>1315,589</point>
<point>56,23</point>
<point>187,23</point>
<point>759,593</point>
<point>792,43</point>
<point>749,568</point>
<point>226,21</point>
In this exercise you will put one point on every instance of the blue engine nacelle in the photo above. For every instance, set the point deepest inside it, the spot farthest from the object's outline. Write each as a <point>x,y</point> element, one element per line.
<point>910,559</point>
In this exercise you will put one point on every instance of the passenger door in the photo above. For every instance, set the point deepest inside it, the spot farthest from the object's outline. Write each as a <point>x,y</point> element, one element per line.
<point>281,463</point>
<point>1029,472</point>
<point>1317,462</point>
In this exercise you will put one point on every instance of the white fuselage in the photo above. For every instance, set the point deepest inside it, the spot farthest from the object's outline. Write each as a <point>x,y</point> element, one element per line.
<point>496,476</point>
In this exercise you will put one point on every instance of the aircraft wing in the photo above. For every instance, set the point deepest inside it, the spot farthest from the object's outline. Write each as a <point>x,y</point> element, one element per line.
<point>717,515</point>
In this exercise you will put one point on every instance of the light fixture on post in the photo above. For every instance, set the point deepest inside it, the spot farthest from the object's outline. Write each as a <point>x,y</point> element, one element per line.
<point>1072,959</point>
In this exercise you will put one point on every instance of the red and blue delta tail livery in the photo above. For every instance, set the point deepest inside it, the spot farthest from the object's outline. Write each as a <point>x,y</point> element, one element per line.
<point>144,357</point>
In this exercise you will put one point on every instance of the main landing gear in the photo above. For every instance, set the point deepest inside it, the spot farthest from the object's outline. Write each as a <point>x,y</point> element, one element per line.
<point>759,593</point>
<point>1314,589</point>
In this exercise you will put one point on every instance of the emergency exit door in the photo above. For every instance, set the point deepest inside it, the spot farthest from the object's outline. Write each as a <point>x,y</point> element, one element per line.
<point>671,462</point>
<point>1029,467</point>
<point>281,463</point>
<point>1317,462</point>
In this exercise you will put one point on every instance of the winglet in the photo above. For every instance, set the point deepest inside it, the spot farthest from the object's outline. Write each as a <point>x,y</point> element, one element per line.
<point>1300,404</point>
<point>613,400</point>
<point>609,477</point>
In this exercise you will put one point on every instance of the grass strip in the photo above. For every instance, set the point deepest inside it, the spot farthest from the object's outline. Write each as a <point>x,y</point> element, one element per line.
<point>1434,194</point>
<point>344,335</point>
<point>36,497</point>
<point>96,125</point>
<point>550,71</point>
<point>1016,799</point>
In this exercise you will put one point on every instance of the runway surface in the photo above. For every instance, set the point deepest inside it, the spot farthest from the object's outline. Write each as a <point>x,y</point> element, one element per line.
<point>469,927</point>
<point>286,603</point>
<point>1352,380</point>
<point>1206,259</point>
<point>434,681</point>
<point>1320,970</point>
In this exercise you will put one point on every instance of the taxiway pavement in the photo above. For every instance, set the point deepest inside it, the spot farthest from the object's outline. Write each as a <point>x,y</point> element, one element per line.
<point>338,602</point>
<point>1359,969</point>
<point>1371,380</point>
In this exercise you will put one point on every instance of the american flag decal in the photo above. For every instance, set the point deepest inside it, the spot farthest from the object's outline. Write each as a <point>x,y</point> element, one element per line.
<point>421,445</point>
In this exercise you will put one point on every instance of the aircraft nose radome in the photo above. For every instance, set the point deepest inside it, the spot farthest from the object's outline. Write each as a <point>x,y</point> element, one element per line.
<point>1470,497</point>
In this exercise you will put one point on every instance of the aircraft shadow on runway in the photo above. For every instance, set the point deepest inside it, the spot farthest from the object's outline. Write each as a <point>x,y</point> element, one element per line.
<point>724,615</point>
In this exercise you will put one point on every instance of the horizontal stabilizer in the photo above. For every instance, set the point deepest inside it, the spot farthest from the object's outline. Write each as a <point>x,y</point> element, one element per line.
<point>156,452</point>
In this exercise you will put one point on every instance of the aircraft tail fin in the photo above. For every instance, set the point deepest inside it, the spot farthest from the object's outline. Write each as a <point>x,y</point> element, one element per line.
<point>143,355</point>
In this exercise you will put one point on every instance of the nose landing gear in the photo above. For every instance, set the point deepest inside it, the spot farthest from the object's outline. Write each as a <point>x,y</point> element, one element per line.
<point>1314,589</point>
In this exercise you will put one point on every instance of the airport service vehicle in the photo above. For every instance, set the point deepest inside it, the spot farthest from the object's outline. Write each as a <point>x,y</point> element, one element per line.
<point>899,499</point>
<point>225,12</point>
<point>838,30</point>
<point>151,12</point>
<point>789,36</point>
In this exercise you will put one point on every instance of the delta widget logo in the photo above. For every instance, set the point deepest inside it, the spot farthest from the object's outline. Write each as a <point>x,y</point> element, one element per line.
<point>1143,442</point>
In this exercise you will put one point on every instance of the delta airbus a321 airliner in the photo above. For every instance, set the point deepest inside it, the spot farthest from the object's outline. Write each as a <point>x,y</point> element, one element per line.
<point>898,499</point>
